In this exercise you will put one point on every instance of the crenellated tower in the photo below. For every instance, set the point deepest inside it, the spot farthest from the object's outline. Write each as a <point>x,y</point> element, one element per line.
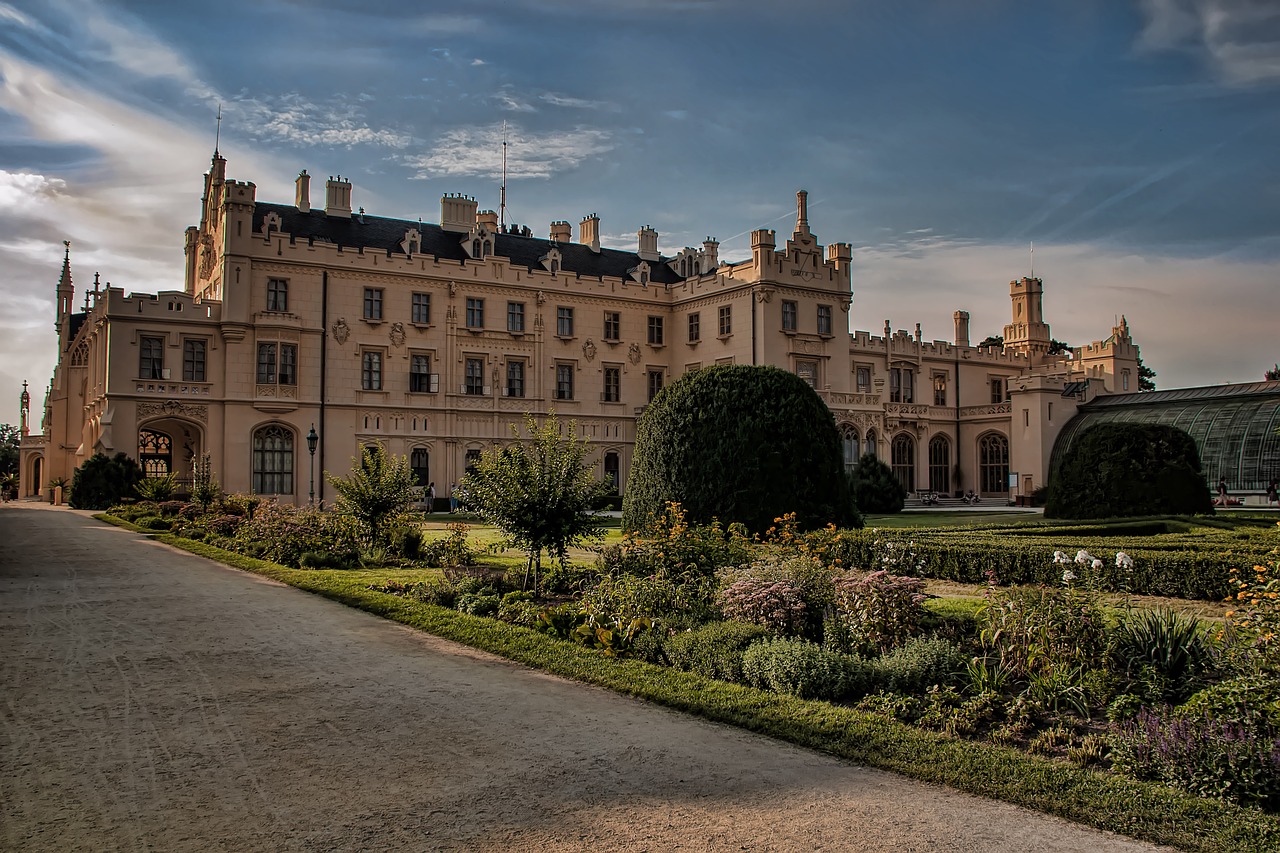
<point>1028,332</point>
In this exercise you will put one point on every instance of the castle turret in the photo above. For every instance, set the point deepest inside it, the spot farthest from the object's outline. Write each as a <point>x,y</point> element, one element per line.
<point>65,299</point>
<point>1028,332</point>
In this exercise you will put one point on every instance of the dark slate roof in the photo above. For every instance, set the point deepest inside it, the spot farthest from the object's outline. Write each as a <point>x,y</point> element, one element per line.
<point>363,231</point>
<point>1208,392</point>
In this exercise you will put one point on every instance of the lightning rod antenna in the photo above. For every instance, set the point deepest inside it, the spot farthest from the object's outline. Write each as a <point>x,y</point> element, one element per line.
<point>502,202</point>
<point>1033,258</point>
<point>217,134</point>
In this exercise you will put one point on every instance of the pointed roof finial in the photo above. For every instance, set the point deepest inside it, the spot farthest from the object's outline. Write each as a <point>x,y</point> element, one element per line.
<point>65,279</point>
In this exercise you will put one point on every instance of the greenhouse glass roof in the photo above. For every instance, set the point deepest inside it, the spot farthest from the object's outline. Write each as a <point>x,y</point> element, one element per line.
<point>1234,427</point>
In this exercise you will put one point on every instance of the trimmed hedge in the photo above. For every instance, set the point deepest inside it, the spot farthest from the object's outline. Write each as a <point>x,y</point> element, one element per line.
<point>743,444</point>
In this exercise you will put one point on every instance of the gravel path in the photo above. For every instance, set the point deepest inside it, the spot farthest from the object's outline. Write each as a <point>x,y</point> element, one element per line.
<point>153,700</point>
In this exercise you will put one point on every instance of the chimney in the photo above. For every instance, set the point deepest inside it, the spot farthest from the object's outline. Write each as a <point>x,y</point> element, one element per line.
<point>962,328</point>
<point>488,219</point>
<point>762,244</point>
<point>302,197</point>
<point>648,240</point>
<point>457,213</point>
<point>561,231</point>
<point>337,198</point>
<point>589,232</point>
<point>710,254</point>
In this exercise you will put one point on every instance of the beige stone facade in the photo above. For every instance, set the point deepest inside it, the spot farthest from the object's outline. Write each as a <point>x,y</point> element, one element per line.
<point>433,339</point>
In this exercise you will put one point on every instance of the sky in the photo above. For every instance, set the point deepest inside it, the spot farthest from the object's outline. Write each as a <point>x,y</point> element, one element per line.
<point>1135,144</point>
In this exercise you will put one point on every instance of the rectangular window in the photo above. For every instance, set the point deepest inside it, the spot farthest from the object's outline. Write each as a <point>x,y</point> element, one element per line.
<point>939,389</point>
<point>612,384</point>
<point>997,390</point>
<point>655,331</point>
<point>151,358</point>
<point>789,314</point>
<point>193,357</point>
<point>288,364</point>
<point>420,374</point>
<point>726,320</point>
<point>515,316</point>
<point>515,378</point>
<point>564,381</point>
<point>277,294</point>
<point>901,385</point>
<point>808,371</point>
<point>695,327</point>
<point>266,364</point>
<point>371,371</point>
<point>373,303</point>
<point>475,313</point>
<point>564,321</point>
<point>612,325</point>
<point>655,383</point>
<point>474,377</point>
<point>420,311</point>
<point>824,319</point>
<point>863,380</point>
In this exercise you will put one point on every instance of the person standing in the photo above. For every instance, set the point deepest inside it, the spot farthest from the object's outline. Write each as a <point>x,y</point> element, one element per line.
<point>453,497</point>
<point>1222,492</point>
<point>1273,492</point>
<point>431,497</point>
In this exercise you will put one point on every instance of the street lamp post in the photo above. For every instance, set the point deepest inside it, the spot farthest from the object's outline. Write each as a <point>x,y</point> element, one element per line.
<point>312,440</point>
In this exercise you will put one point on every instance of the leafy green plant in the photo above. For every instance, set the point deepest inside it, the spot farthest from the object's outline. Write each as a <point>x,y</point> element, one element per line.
<point>880,610</point>
<point>539,491</point>
<point>714,650</point>
<point>379,488</point>
<point>804,669</point>
<point>157,489</point>
<point>204,486</point>
<point>668,542</point>
<point>1034,630</point>
<point>921,663</point>
<point>1168,644</point>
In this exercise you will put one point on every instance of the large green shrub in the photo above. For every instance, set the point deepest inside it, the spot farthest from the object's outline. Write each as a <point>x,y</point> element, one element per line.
<point>102,481</point>
<point>741,443</point>
<point>875,489</point>
<point>714,650</point>
<point>1128,469</point>
<point>804,669</point>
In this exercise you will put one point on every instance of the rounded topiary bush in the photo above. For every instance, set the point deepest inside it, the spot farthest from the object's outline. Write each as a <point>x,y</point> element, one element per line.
<point>742,444</point>
<point>102,481</point>
<point>1128,469</point>
<point>875,488</point>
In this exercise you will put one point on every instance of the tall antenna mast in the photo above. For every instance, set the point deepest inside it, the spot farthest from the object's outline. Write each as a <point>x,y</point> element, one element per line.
<point>1033,258</point>
<point>502,204</point>
<point>217,136</point>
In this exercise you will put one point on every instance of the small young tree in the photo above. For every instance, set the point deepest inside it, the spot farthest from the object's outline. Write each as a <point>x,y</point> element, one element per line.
<point>102,481</point>
<point>875,489</point>
<point>204,486</point>
<point>378,488</point>
<point>539,491</point>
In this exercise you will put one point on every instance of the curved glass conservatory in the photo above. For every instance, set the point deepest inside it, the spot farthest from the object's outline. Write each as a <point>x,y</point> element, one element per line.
<point>1234,427</point>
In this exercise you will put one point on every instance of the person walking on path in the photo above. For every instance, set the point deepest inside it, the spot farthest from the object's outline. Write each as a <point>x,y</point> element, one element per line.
<point>1222,492</point>
<point>1273,497</point>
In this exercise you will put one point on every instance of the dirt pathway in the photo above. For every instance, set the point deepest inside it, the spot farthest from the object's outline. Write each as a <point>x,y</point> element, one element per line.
<point>153,700</point>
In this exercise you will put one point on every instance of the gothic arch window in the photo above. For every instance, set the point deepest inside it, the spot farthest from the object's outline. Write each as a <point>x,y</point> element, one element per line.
<point>940,465</point>
<point>611,470</point>
<point>475,249</point>
<point>850,445</point>
<point>155,452</point>
<point>273,460</point>
<point>993,464</point>
<point>420,464</point>
<point>870,444</point>
<point>902,455</point>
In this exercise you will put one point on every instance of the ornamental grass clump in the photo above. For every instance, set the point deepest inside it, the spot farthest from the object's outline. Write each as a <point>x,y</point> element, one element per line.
<point>879,611</point>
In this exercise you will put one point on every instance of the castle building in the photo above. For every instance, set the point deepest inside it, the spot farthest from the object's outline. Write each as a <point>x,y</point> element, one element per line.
<point>433,338</point>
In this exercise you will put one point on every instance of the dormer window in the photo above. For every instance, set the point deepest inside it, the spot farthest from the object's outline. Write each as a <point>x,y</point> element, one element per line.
<point>640,273</point>
<point>412,240</point>
<point>476,249</point>
<point>551,261</point>
<point>270,222</point>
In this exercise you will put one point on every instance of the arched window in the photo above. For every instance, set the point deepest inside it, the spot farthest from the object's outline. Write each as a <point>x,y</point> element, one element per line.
<point>611,470</point>
<point>155,453</point>
<point>903,457</point>
<point>993,464</point>
<point>850,445</point>
<point>940,465</point>
<point>420,463</point>
<point>273,460</point>
<point>870,443</point>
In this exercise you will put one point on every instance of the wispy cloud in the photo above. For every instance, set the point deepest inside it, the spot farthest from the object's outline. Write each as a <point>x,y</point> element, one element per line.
<point>511,102</point>
<point>1239,38</point>
<point>292,117</point>
<point>558,100</point>
<point>477,151</point>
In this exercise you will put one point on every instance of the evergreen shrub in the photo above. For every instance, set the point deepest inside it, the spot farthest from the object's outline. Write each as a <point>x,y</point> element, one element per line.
<point>805,669</point>
<point>1115,470</point>
<point>741,443</point>
<point>875,490</point>
<point>102,481</point>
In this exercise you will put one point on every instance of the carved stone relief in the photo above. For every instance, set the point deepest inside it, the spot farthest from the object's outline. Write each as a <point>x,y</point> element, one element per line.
<point>341,331</point>
<point>172,408</point>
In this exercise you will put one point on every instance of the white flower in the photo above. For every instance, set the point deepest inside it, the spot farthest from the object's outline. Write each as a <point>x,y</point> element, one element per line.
<point>1097,564</point>
<point>1123,560</point>
<point>1068,576</point>
<point>1083,558</point>
<point>1059,557</point>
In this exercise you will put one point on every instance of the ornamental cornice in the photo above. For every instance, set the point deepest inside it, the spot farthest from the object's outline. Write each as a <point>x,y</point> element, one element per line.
<point>992,409</point>
<point>173,408</point>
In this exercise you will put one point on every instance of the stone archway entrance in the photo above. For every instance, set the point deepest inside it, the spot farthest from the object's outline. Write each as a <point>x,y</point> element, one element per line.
<point>169,446</point>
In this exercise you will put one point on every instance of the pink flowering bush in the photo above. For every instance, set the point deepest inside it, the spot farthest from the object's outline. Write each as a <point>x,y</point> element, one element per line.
<point>878,611</point>
<point>772,604</point>
<point>283,534</point>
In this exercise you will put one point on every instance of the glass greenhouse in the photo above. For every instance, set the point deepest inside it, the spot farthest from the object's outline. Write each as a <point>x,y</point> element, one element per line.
<point>1234,427</point>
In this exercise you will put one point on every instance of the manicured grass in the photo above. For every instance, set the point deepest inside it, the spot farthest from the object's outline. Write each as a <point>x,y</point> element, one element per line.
<point>1138,809</point>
